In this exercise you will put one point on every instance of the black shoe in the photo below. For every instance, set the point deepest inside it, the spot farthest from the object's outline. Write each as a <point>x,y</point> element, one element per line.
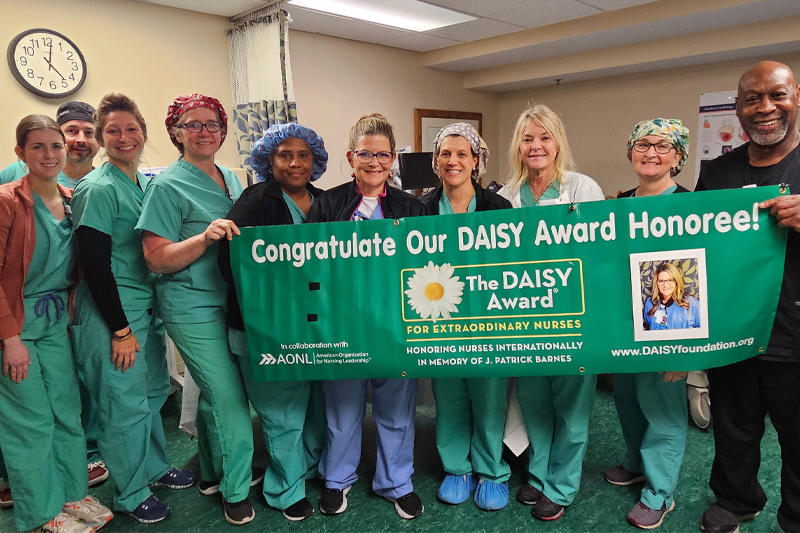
<point>208,488</point>
<point>333,501</point>
<point>408,506</point>
<point>258,474</point>
<point>546,509</point>
<point>719,520</point>
<point>528,495</point>
<point>299,510</point>
<point>239,513</point>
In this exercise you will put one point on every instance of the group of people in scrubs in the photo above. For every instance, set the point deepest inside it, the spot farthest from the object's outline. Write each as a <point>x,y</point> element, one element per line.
<point>125,260</point>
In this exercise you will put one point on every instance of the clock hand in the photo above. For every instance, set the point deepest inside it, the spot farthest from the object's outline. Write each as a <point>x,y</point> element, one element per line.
<point>54,68</point>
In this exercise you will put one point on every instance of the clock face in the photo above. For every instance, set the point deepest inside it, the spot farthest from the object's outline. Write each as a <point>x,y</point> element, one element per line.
<point>46,63</point>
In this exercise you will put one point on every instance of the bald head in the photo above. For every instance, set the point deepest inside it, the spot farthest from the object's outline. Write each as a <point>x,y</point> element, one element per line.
<point>767,103</point>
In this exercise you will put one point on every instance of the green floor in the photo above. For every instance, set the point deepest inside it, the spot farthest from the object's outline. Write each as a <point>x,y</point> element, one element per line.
<point>599,507</point>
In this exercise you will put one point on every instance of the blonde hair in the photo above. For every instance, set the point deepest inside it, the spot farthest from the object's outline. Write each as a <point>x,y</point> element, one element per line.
<point>679,296</point>
<point>374,124</point>
<point>549,120</point>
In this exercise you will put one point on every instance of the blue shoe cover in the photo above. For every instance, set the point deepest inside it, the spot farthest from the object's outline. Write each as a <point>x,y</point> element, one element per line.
<point>491,496</point>
<point>456,489</point>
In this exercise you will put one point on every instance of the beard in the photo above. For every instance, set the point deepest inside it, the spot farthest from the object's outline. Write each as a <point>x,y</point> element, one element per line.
<point>767,139</point>
<point>75,159</point>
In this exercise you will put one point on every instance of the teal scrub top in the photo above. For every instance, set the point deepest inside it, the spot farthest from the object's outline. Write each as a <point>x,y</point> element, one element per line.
<point>526,194</point>
<point>54,254</point>
<point>298,217</point>
<point>180,203</point>
<point>108,201</point>
<point>446,208</point>
<point>16,171</point>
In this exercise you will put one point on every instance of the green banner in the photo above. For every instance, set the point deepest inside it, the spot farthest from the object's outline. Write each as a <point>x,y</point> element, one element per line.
<point>563,289</point>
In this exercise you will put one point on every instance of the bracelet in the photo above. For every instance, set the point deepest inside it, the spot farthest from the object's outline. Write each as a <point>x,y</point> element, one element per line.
<point>116,337</point>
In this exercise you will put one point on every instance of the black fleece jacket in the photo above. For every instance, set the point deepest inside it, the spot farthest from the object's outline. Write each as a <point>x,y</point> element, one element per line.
<point>261,204</point>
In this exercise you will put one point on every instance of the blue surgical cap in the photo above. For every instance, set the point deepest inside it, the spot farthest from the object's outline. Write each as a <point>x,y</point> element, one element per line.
<point>275,135</point>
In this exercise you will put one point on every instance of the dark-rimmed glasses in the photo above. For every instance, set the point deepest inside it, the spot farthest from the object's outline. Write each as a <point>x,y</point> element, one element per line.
<point>662,147</point>
<point>197,127</point>
<point>365,156</point>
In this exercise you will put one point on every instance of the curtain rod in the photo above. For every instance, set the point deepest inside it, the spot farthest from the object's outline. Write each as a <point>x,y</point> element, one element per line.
<point>271,7</point>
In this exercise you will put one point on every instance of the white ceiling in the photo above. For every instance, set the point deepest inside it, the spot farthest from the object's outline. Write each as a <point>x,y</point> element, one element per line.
<point>598,30</point>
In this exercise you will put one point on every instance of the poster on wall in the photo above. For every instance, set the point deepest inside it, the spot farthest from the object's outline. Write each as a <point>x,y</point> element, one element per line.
<point>719,130</point>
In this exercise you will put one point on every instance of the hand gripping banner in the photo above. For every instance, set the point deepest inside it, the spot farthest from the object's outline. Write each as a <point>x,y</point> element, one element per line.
<point>678,282</point>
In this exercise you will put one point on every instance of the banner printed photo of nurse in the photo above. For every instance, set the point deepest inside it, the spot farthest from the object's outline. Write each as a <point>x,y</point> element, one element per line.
<point>668,290</point>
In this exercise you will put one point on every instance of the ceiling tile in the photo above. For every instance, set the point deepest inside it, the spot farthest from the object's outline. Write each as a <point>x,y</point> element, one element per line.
<point>611,5</point>
<point>229,8</point>
<point>475,30</point>
<point>420,42</point>
<point>483,8</point>
<point>549,12</point>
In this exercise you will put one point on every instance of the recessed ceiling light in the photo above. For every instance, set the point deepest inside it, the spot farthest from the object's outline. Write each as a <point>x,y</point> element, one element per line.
<point>405,14</point>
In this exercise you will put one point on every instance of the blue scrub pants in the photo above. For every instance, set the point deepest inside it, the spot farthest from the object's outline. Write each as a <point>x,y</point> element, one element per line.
<point>393,409</point>
<point>470,420</point>
<point>654,418</point>
<point>224,427</point>
<point>42,440</point>
<point>131,438</point>
<point>556,412</point>
<point>294,428</point>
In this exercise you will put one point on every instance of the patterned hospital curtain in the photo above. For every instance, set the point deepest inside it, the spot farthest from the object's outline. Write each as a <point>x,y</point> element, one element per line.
<point>261,75</point>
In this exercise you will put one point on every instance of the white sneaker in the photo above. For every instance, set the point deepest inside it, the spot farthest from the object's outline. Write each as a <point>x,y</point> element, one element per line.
<point>89,511</point>
<point>64,523</point>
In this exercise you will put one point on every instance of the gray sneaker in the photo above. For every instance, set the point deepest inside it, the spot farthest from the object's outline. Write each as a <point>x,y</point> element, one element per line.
<point>643,517</point>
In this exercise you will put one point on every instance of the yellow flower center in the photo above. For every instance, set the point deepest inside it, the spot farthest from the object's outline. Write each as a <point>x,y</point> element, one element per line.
<point>434,292</point>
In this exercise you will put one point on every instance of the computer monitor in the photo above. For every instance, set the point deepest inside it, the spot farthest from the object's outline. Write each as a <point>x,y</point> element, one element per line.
<point>416,171</point>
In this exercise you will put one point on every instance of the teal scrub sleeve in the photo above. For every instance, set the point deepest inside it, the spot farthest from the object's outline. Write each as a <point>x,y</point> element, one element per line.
<point>13,172</point>
<point>161,213</point>
<point>104,207</point>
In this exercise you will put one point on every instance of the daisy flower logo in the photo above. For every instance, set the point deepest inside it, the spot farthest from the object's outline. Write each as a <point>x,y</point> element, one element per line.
<point>433,291</point>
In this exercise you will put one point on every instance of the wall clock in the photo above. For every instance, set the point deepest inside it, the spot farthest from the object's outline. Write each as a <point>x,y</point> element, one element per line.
<point>46,63</point>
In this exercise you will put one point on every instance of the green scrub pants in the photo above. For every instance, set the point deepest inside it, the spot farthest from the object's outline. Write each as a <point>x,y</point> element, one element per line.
<point>556,412</point>
<point>131,438</point>
<point>292,417</point>
<point>224,427</point>
<point>470,419</point>
<point>654,418</point>
<point>81,343</point>
<point>42,440</point>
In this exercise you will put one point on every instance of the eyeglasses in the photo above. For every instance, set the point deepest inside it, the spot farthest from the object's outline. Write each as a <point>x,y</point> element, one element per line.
<point>665,281</point>
<point>661,147</point>
<point>197,127</point>
<point>365,156</point>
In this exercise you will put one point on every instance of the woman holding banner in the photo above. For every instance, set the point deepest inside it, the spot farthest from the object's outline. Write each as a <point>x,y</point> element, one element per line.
<point>182,223</point>
<point>470,412</point>
<point>555,409</point>
<point>288,157</point>
<point>652,405</point>
<point>370,154</point>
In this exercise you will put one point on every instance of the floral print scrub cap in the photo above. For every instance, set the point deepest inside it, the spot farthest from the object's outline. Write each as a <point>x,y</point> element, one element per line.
<point>182,104</point>
<point>671,129</point>
<point>475,141</point>
<point>275,135</point>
